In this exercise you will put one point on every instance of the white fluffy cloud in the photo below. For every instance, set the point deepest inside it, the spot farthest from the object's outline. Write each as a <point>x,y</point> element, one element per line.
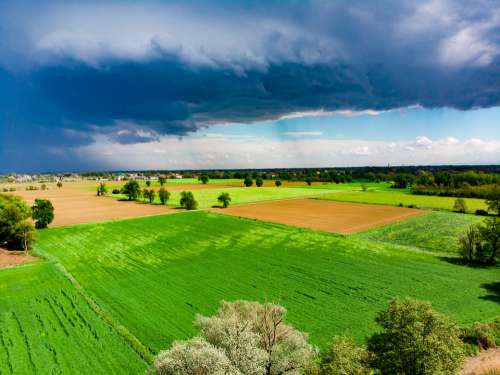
<point>222,151</point>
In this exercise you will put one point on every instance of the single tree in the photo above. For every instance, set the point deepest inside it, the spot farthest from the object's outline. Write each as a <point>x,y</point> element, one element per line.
<point>460,205</point>
<point>162,180</point>
<point>25,234</point>
<point>364,187</point>
<point>203,178</point>
<point>102,189</point>
<point>42,213</point>
<point>242,338</point>
<point>225,199</point>
<point>259,182</point>
<point>132,190</point>
<point>416,340</point>
<point>187,201</point>
<point>248,181</point>
<point>164,195</point>
<point>148,183</point>
<point>277,183</point>
<point>308,181</point>
<point>59,184</point>
<point>149,194</point>
<point>490,234</point>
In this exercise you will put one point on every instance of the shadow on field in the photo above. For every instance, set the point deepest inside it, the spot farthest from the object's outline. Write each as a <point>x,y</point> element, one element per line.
<point>494,290</point>
<point>461,262</point>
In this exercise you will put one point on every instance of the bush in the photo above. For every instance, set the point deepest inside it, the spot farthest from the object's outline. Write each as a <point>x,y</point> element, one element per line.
<point>102,189</point>
<point>224,198</point>
<point>482,213</point>
<point>115,191</point>
<point>482,335</point>
<point>203,179</point>
<point>59,184</point>
<point>277,183</point>
<point>460,206</point>
<point>132,190</point>
<point>248,182</point>
<point>42,213</point>
<point>342,357</point>
<point>481,242</point>
<point>415,340</point>
<point>16,231</point>
<point>149,194</point>
<point>364,187</point>
<point>259,182</point>
<point>164,195</point>
<point>187,201</point>
<point>411,205</point>
<point>13,189</point>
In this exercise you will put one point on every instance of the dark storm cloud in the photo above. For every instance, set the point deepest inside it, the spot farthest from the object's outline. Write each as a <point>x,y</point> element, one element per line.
<point>69,71</point>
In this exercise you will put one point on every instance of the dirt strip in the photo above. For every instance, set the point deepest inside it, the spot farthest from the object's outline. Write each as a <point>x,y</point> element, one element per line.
<point>330,216</point>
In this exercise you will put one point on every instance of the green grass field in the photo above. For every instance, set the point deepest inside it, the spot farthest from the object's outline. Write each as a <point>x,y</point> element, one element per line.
<point>155,274</point>
<point>396,197</point>
<point>47,327</point>
<point>436,232</point>
<point>207,198</point>
<point>355,186</point>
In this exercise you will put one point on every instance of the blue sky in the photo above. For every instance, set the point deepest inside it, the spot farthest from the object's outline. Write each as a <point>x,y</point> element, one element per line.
<point>224,84</point>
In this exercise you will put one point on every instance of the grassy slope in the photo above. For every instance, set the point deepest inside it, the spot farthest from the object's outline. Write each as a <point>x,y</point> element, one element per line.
<point>46,327</point>
<point>154,274</point>
<point>435,232</point>
<point>397,197</point>
<point>208,197</point>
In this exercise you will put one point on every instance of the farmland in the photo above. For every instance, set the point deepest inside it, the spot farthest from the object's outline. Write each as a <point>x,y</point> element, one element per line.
<point>397,197</point>
<point>436,232</point>
<point>46,327</point>
<point>239,195</point>
<point>154,274</point>
<point>330,216</point>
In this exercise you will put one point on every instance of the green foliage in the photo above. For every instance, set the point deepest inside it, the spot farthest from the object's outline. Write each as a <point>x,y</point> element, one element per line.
<point>204,179</point>
<point>16,231</point>
<point>248,182</point>
<point>308,181</point>
<point>482,335</point>
<point>148,183</point>
<point>342,357</point>
<point>48,328</point>
<point>415,340</point>
<point>481,242</point>
<point>364,187</point>
<point>403,180</point>
<point>42,213</point>
<point>493,200</point>
<point>102,189</point>
<point>149,195</point>
<point>460,206</point>
<point>162,180</point>
<point>225,199</point>
<point>259,182</point>
<point>59,184</point>
<point>187,201</point>
<point>313,274</point>
<point>277,183</point>
<point>163,195</point>
<point>132,190</point>
<point>115,191</point>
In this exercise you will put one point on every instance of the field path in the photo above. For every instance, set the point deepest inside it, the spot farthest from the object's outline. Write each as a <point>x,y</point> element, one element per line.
<point>484,361</point>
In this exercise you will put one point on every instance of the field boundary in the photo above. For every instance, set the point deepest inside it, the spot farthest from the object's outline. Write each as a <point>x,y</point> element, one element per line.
<point>132,341</point>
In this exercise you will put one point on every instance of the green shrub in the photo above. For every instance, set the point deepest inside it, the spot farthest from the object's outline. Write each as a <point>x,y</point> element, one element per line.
<point>42,213</point>
<point>259,182</point>
<point>460,206</point>
<point>415,340</point>
<point>187,201</point>
<point>248,182</point>
<point>225,199</point>
<point>481,212</point>
<point>482,335</point>
<point>342,357</point>
<point>164,195</point>
<point>116,191</point>
<point>277,183</point>
<point>132,190</point>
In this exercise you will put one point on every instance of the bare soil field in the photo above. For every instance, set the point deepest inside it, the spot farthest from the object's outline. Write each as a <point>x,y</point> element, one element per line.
<point>11,258</point>
<point>485,361</point>
<point>74,205</point>
<point>330,216</point>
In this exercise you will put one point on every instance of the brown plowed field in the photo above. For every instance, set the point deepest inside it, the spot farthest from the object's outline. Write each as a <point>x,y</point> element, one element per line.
<point>330,216</point>
<point>74,205</point>
<point>10,259</point>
